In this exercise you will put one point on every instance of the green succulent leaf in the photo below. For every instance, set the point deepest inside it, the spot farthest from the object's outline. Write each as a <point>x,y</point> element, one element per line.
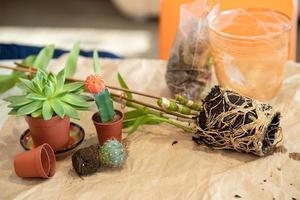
<point>60,81</point>
<point>44,57</point>
<point>47,110</point>
<point>81,108</point>
<point>96,62</point>
<point>75,100</point>
<point>13,111</point>
<point>7,82</point>
<point>19,101</point>
<point>41,74</point>
<point>40,79</point>
<point>38,86</point>
<point>52,78</point>
<point>49,90</point>
<point>29,85</point>
<point>124,86</point>
<point>37,114</point>
<point>29,108</point>
<point>34,96</point>
<point>71,64</point>
<point>71,87</point>
<point>29,60</point>
<point>87,98</point>
<point>70,111</point>
<point>16,99</point>
<point>58,108</point>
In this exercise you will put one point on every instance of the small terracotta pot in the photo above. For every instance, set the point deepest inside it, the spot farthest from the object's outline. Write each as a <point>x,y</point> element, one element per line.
<point>38,162</point>
<point>108,130</point>
<point>55,132</point>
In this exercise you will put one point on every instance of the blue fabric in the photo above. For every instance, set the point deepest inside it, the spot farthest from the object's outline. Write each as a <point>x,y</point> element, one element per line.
<point>15,51</point>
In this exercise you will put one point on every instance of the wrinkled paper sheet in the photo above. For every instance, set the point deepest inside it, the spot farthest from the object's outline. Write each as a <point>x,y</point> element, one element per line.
<point>156,169</point>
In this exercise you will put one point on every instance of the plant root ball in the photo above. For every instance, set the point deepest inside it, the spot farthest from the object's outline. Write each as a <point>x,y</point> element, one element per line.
<point>232,121</point>
<point>86,161</point>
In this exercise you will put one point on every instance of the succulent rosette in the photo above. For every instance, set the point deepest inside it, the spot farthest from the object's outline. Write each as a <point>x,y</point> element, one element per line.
<point>95,85</point>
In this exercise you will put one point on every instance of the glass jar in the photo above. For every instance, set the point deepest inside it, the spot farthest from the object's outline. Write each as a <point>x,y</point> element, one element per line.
<point>250,48</point>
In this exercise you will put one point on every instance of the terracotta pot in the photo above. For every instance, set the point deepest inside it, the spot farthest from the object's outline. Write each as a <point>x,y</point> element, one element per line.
<point>108,130</point>
<point>55,132</point>
<point>38,162</point>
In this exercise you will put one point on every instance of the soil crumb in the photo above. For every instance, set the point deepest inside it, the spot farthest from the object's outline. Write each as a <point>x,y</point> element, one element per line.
<point>237,196</point>
<point>295,156</point>
<point>175,142</point>
<point>265,180</point>
<point>280,149</point>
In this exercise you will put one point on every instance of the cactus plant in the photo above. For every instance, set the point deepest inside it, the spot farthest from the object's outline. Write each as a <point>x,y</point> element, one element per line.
<point>112,154</point>
<point>95,84</point>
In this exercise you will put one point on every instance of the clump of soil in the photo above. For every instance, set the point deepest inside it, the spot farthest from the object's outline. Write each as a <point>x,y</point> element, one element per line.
<point>294,156</point>
<point>86,161</point>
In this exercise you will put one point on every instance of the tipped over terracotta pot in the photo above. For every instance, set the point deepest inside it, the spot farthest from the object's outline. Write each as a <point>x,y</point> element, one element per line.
<point>39,162</point>
<point>109,130</point>
<point>55,132</point>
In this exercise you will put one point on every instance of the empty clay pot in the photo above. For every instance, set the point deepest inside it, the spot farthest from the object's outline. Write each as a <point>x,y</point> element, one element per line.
<point>108,130</point>
<point>38,162</point>
<point>55,132</point>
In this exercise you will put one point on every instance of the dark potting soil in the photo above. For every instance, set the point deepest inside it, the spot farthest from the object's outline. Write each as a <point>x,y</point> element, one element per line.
<point>86,161</point>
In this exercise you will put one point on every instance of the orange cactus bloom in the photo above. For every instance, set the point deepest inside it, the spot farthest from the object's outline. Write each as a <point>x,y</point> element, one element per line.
<point>95,84</point>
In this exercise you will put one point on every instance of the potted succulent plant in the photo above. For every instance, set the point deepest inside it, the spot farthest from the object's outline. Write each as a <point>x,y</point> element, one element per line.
<point>48,104</point>
<point>107,121</point>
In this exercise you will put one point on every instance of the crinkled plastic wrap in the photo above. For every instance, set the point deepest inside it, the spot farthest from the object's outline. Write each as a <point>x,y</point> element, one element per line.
<point>188,71</point>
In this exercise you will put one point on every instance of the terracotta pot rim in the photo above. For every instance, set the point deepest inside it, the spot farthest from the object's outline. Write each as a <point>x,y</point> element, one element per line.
<point>39,163</point>
<point>52,159</point>
<point>45,123</point>
<point>118,112</point>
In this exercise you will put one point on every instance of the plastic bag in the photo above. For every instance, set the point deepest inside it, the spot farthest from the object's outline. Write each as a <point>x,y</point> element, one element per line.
<point>188,68</point>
